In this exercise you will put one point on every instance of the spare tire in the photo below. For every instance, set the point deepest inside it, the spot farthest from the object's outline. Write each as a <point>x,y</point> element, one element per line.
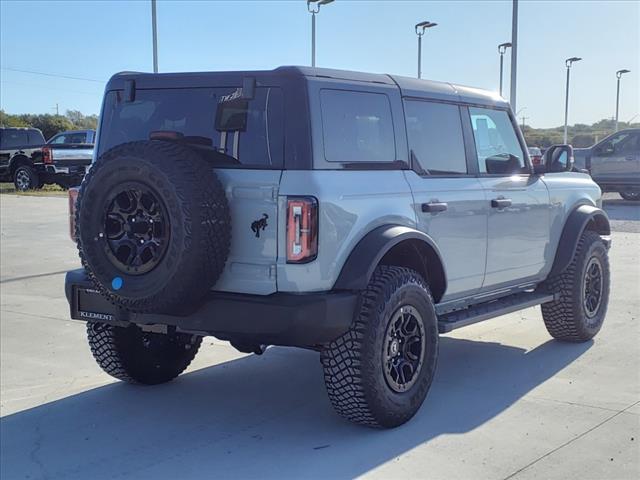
<point>153,226</point>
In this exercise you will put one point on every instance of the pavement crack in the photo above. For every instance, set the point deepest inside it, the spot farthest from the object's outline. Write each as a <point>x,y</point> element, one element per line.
<point>570,441</point>
<point>37,275</point>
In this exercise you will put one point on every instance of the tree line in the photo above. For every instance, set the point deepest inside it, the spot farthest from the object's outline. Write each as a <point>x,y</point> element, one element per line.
<point>580,135</point>
<point>50,124</point>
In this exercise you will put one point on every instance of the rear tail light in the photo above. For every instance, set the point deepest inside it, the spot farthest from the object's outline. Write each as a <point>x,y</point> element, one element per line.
<point>47,156</point>
<point>302,229</point>
<point>73,200</point>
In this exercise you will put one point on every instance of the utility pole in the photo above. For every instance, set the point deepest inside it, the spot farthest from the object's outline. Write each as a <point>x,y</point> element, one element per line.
<point>523,120</point>
<point>57,110</point>
<point>514,53</point>
<point>154,30</point>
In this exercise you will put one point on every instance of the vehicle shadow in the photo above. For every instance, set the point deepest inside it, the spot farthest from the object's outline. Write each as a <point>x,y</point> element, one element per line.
<point>260,417</point>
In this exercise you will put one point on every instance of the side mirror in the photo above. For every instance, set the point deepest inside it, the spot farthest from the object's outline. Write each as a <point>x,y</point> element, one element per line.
<point>558,158</point>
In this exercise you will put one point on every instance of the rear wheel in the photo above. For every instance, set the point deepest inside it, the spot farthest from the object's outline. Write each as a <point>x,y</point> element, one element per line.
<point>583,290</point>
<point>135,356</point>
<point>379,372</point>
<point>633,196</point>
<point>26,178</point>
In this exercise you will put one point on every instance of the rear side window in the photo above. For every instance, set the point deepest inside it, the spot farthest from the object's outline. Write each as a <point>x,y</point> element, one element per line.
<point>66,138</point>
<point>248,134</point>
<point>35,137</point>
<point>435,137</point>
<point>14,138</point>
<point>499,151</point>
<point>357,127</point>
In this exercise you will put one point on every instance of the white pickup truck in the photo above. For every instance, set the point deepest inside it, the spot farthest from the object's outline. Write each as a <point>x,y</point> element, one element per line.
<point>66,156</point>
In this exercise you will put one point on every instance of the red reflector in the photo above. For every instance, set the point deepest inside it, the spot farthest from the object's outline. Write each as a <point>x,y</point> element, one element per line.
<point>302,229</point>
<point>73,200</point>
<point>47,156</point>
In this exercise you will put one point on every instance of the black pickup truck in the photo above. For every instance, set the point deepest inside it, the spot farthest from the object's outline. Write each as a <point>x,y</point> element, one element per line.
<point>29,162</point>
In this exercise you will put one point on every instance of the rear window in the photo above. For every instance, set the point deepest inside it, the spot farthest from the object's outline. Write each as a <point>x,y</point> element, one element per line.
<point>357,127</point>
<point>248,134</point>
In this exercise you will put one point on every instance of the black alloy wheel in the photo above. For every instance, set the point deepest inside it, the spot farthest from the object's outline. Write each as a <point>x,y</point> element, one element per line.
<point>592,296</point>
<point>404,348</point>
<point>136,227</point>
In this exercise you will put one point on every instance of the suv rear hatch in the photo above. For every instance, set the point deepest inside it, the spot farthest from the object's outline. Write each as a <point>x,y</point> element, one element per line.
<point>249,131</point>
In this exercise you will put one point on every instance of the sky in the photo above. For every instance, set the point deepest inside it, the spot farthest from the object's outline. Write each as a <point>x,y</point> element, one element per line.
<point>91,40</point>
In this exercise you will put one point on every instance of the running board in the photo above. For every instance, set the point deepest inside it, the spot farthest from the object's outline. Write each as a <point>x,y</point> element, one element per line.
<point>494,308</point>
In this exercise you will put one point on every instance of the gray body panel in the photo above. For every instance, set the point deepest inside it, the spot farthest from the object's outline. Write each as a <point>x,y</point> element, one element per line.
<point>351,204</point>
<point>251,265</point>
<point>460,232</point>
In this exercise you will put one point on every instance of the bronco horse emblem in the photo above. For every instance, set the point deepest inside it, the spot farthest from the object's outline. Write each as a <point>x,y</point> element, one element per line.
<point>260,224</point>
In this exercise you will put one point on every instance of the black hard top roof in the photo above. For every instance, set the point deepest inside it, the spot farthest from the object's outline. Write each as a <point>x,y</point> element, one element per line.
<point>411,87</point>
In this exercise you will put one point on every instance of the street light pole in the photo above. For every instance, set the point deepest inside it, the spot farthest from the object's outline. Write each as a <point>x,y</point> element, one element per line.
<point>154,30</point>
<point>313,6</point>
<point>502,48</point>
<point>420,29</point>
<point>514,53</point>
<point>568,63</point>
<point>619,74</point>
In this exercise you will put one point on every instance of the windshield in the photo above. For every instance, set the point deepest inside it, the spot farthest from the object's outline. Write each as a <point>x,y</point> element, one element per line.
<point>253,139</point>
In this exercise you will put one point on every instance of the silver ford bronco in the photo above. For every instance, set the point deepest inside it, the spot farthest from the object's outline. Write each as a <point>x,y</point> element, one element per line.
<point>359,215</point>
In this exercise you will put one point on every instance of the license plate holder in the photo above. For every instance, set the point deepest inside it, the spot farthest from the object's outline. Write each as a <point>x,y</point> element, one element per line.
<point>90,305</point>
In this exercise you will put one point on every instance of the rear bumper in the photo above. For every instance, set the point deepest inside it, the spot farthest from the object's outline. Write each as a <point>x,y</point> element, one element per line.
<point>278,319</point>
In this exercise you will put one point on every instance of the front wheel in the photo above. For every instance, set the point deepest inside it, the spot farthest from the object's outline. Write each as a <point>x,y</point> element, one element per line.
<point>379,372</point>
<point>583,289</point>
<point>135,356</point>
<point>632,196</point>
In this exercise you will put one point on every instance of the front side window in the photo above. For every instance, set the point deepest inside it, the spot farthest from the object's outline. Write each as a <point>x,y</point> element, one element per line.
<point>623,143</point>
<point>497,145</point>
<point>435,137</point>
<point>357,127</point>
<point>241,134</point>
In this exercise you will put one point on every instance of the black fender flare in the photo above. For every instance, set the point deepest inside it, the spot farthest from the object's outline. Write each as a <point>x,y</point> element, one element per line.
<point>19,159</point>
<point>366,255</point>
<point>582,217</point>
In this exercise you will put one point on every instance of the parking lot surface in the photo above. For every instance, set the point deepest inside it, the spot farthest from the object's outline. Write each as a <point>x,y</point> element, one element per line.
<point>507,401</point>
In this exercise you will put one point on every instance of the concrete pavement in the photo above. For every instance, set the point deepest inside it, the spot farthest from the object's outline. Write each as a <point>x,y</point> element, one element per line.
<point>507,401</point>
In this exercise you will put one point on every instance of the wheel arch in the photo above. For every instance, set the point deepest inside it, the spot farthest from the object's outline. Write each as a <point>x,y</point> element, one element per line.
<point>394,245</point>
<point>18,160</point>
<point>583,217</point>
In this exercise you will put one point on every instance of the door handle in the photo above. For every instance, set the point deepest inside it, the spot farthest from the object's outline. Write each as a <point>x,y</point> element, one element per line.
<point>630,158</point>
<point>501,202</point>
<point>434,207</point>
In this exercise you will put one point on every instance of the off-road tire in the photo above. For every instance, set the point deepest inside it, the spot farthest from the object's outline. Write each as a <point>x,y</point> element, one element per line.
<point>631,196</point>
<point>197,218</point>
<point>26,173</point>
<point>353,364</point>
<point>566,319</point>
<point>134,356</point>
